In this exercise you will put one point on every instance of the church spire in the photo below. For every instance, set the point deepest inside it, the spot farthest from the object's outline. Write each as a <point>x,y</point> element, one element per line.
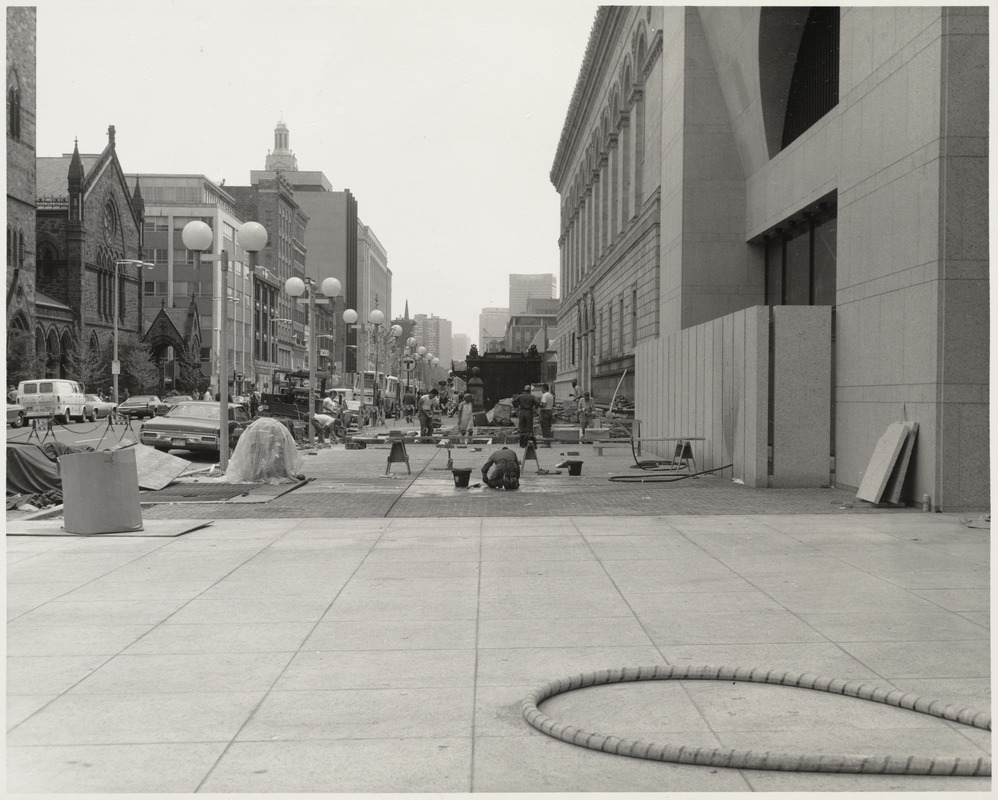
<point>138,203</point>
<point>75,181</point>
<point>406,317</point>
<point>75,169</point>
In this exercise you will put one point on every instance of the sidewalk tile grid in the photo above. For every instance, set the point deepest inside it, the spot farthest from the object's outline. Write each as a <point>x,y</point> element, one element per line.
<point>368,634</point>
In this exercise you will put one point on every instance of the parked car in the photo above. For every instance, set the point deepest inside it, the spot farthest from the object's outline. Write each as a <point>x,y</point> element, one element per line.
<point>94,408</point>
<point>51,397</point>
<point>193,425</point>
<point>169,402</point>
<point>15,415</point>
<point>140,405</point>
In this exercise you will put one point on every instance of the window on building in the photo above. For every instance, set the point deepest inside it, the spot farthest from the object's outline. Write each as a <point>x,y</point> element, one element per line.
<point>149,287</point>
<point>620,323</point>
<point>634,317</point>
<point>801,260</point>
<point>814,87</point>
<point>14,111</point>
<point>609,329</point>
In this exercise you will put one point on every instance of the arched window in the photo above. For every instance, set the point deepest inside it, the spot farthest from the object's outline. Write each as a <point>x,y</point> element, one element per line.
<point>47,258</point>
<point>20,249</point>
<point>10,247</point>
<point>14,107</point>
<point>798,69</point>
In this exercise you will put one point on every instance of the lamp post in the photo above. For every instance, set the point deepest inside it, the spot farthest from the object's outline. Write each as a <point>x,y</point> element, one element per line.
<point>115,365</point>
<point>396,331</point>
<point>376,318</point>
<point>421,352</point>
<point>252,237</point>
<point>296,287</point>
<point>410,345</point>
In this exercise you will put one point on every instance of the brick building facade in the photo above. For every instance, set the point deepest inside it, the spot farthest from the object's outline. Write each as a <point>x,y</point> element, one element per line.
<point>21,22</point>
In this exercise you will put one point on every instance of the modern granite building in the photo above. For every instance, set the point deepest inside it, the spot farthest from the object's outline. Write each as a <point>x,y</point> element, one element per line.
<point>774,225</point>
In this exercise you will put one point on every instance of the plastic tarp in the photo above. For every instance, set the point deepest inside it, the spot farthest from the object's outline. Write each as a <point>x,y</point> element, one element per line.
<point>265,453</point>
<point>33,469</point>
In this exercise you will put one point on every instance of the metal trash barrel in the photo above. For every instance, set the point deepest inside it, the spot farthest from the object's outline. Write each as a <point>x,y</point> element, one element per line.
<point>100,492</point>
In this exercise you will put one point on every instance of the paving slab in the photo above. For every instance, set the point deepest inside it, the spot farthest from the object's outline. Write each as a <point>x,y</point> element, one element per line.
<point>363,634</point>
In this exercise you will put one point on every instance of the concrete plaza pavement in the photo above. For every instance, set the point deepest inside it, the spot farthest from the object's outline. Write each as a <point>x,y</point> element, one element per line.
<point>373,634</point>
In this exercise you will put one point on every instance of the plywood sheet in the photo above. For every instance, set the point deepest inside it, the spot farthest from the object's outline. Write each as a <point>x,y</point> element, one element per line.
<point>885,456</point>
<point>156,470</point>
<point>892,493</point>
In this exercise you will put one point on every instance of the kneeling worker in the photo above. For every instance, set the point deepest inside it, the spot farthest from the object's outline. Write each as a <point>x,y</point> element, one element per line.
<point>505,470</point>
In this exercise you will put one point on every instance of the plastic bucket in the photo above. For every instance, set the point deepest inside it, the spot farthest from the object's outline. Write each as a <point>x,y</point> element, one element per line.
<point>461,477</point>
<point>574,467</point>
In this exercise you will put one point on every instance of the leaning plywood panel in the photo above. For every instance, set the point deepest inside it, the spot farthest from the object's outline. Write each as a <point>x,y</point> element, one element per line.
<point>892,493</point>
<point>156,470</point>
<point>882,462</point>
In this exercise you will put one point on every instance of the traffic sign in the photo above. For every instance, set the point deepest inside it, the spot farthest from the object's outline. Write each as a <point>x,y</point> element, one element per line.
<point>239,377</point>
<point>115,367</point>
<point>408,363</point>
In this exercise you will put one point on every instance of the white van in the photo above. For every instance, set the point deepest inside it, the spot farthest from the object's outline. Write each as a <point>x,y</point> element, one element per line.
<point>53,397</point>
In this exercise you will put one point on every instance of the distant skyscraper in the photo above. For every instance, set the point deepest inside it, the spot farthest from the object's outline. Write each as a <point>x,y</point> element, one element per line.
<point>522,287</point>
<point>492,328</point>
<point>460,344</point>
<point>433,333</point>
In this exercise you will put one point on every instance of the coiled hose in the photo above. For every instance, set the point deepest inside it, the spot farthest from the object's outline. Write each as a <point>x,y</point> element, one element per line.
<point>752,759</point>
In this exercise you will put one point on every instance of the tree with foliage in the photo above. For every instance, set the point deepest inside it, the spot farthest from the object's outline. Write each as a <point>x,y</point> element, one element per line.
<point>90,365</point>
<point>191,378</point>
<point>23,363</point>
<point>139,373</point>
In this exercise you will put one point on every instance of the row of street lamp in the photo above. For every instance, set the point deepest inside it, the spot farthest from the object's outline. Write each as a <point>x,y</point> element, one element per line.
<point>252,237</point>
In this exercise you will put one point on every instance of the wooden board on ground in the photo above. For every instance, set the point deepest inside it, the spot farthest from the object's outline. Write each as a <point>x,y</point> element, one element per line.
<point>151,528</point>
<point>892,493</point>
<point>156,470</point>
<point>885,456</point>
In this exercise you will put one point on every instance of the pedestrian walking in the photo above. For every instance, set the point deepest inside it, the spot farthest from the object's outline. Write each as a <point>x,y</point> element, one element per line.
<point>466,417</point>
<point>502,470</point>
<point>12,394</point>
<point>207,395</point>
<point>427,404</point>
<point>547,411</point>
<point>525,404</point>
<point>586,408</point>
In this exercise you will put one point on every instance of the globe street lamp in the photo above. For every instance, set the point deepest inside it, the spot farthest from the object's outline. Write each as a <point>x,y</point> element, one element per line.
<point>252,237</point>
<point>115,364</point>
<point>421,352</point>
<point>410,348</point>
<point>296,287</point>
<point>396,331</point>
<point>376,318</point>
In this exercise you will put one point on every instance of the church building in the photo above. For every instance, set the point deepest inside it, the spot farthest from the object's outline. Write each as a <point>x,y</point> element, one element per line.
<point>87,223</point>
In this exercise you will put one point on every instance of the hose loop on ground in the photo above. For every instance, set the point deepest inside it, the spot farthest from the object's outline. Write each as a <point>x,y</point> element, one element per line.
<point>753,759</point>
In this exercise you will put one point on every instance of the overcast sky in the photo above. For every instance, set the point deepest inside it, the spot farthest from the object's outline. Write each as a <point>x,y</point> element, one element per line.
<point>442,118</point>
